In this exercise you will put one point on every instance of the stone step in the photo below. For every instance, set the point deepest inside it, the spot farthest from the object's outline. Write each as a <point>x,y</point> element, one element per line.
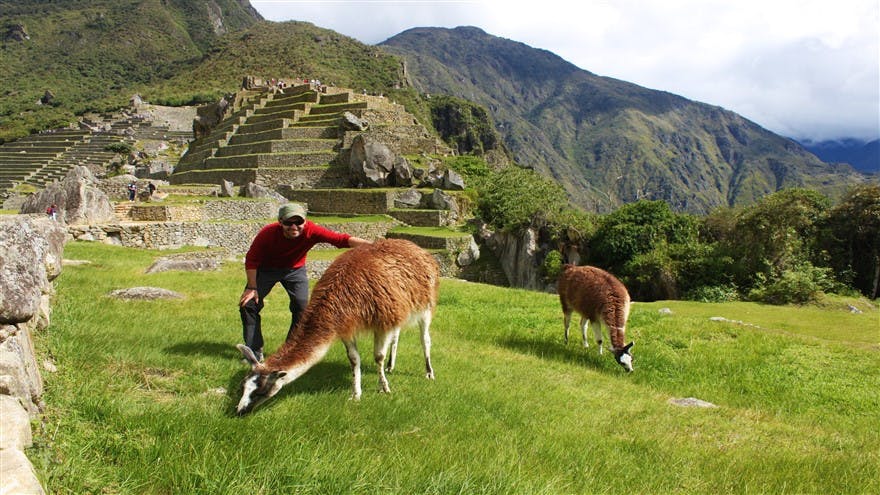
<point>344,201</point>
<point>288,159</point>
<point>423,218</point>
<point>280,146</point>
<point>280,100</point>
<point>264,126</point>
<point>337,108</point>
<point>433,238</point>
<point>340,97</point>
<point>293,114</point>
<point>315,132</point>
<point>297,178</point>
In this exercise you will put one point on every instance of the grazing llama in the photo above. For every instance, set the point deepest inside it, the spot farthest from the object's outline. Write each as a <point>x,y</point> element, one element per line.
<point>374,289</point>
<point>599,297</point>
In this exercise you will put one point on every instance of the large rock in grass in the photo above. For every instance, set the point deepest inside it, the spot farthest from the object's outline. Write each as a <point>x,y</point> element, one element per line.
<point>77,196</point>
<point>31,250</point>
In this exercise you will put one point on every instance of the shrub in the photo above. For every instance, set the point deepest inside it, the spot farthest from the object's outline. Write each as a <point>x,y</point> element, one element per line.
<point>552,265</point>
<point>713,293</point>
<point>121,148</point>
<point>799,285</point>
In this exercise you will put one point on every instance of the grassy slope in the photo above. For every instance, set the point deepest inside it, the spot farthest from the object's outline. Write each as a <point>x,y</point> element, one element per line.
<point>94,55</point>
<point>142,399</point>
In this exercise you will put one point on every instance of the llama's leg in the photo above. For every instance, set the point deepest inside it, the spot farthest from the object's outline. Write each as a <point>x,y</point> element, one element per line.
<point>597,332</point>
<point>567,319</point>
<point>584,322</point>
<point>425,327</point>
<point>392,356</point>
<point>381,341</point>
<point>355,359</point>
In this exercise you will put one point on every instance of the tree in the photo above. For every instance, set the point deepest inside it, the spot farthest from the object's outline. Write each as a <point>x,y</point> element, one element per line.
<point>776,234</point>
<point>851,239</point>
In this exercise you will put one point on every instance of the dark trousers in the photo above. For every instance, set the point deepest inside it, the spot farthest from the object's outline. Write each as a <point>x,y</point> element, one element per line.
<point>295,282</point>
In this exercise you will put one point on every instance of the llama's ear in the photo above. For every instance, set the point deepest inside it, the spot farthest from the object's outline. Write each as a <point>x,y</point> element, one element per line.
<point>628,347</point>
<point>248,354</point>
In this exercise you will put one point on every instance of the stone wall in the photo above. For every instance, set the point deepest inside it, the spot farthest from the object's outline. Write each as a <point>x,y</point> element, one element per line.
<point>205,211</point>
<point>234,237</point>
<point>31,248</point>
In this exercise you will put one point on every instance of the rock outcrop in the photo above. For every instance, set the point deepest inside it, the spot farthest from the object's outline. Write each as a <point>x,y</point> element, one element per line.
<point>78,198</point>
<point>31,248</point>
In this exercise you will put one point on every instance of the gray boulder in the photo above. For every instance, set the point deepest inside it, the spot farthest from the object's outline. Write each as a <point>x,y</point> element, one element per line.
<point>452,181</point>
<point>371,162</point>
<point>350,122</point>
<point>77,196</point>
<point>227,189</point>
<point>145,293</point>
<point>31,249</point>
<point>251,190</point>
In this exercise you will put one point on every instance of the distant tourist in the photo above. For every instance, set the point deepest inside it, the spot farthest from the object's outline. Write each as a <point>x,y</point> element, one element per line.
<point>151,187</point>
<point>52,211</point>
<point>132,190</point>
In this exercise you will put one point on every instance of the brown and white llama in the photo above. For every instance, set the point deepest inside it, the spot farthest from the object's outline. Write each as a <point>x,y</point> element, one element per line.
<point>373,289</point>
<point>600,298</point>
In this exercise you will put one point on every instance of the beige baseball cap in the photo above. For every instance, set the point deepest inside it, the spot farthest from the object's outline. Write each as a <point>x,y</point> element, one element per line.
<point>291,210</point>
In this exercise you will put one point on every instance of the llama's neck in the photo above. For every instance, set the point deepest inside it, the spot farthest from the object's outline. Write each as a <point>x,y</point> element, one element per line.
<point>305,346</point>
<point>618,337</point>
<point>294,363</point>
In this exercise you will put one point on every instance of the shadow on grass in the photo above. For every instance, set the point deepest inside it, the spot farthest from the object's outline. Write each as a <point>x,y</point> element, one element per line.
<point>573,353</point>
<point>220,350</point>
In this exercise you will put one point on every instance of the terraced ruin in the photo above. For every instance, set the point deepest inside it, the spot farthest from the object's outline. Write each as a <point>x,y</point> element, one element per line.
<point>40,159</point>
<point>299,143</point>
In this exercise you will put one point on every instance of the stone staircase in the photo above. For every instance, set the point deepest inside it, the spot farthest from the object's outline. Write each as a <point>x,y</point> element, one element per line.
<point>296,142</point>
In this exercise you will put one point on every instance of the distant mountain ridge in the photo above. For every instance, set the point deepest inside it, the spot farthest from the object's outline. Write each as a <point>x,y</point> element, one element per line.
<point>863,156</point>
<point>608,141</point>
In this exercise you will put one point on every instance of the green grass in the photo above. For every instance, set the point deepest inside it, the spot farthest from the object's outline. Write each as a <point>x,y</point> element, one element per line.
<point>143,398</point>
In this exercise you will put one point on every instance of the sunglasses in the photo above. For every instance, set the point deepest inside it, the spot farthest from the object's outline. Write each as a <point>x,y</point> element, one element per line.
<point>293,221</point>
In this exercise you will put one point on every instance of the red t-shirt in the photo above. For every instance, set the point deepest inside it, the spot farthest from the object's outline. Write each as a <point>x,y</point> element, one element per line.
<point>270,249</point>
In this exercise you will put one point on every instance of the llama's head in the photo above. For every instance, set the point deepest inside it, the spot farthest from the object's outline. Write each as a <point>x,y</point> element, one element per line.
<point>259,385</point>
<point>623,357</point>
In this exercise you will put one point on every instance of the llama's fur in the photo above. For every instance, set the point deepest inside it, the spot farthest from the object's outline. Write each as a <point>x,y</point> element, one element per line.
<point>600,298</point>
<point>375,289</point>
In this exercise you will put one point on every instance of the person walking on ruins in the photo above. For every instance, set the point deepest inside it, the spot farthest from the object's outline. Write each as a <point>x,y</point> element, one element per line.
<point>278,254</point>
<point>132,191</point>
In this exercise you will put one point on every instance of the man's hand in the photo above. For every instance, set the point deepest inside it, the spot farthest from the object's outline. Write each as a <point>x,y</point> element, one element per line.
<point>247,295</point>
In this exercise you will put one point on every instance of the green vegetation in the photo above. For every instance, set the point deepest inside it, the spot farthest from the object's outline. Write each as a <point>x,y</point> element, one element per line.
<point>790,247</point>
<point>93,56</point>
<point>143,398</point>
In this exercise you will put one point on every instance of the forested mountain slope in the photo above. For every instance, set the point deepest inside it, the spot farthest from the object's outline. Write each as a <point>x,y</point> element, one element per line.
<point>81,55</point>
<point>608,141</point>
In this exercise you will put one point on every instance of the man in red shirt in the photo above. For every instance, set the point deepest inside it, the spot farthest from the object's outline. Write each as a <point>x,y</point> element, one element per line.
<point>278,254</point>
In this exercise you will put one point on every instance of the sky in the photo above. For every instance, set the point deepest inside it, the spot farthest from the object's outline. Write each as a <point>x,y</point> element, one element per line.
<point>805,69</point>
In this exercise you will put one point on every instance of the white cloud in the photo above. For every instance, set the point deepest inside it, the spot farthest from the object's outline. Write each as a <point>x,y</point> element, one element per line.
<point>801,68</point>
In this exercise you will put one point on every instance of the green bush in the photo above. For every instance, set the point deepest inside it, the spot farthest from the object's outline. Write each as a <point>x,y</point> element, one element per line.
<point>121,148</point>
<point>799,285</point>
<point>552,265</point>
<point>713,293</point>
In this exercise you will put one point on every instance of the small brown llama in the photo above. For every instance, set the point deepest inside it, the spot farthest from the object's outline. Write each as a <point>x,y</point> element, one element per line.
<point>600,298</point>
<point>373,289</point>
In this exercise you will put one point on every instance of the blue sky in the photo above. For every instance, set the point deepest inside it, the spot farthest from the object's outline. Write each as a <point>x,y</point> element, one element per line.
<point>807,69</point>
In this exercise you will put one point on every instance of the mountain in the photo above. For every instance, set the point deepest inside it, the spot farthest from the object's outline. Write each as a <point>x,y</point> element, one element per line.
<point>608,141</point>
<point>89,55</point>
<point>863,156</point>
